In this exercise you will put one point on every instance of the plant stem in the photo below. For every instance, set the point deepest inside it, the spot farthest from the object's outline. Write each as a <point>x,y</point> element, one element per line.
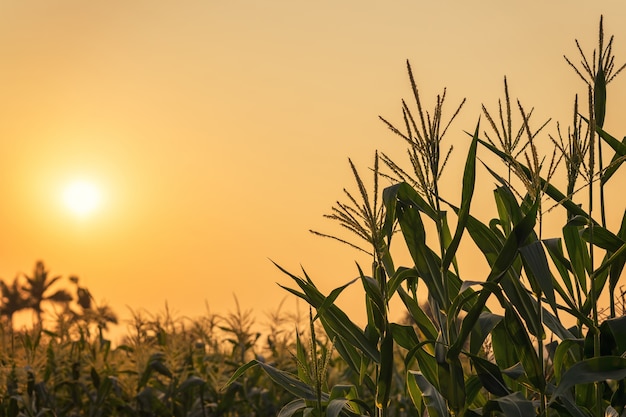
<point>592,292</point>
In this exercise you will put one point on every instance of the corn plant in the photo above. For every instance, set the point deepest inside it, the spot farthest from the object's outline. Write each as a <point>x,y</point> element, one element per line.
<point>461,358</point>
<point>165,366</point>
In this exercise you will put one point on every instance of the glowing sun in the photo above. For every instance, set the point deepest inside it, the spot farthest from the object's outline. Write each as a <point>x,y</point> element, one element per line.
<point>81,197</point>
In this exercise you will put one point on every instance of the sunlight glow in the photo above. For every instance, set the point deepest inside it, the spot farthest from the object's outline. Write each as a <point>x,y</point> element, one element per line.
<point>81,197</point>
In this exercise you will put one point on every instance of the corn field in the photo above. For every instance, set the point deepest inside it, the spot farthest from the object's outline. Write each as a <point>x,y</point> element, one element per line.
<point>527,338</point>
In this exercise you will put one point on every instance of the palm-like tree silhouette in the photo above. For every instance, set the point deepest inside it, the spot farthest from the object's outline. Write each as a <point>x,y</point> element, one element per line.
<point>37,288</point>
<point>13,300</point>
<point>102,315</point>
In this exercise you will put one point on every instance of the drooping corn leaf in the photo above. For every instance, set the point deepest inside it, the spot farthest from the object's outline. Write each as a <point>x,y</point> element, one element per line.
<point>618,147</point>
<point>512,405</point>
<point>292,408</point>
<point>422,321</point>
<point>490,376</point>
<point>486,323</point>
<point>524,347</point>
<point>537,268</point>
<point>421,390</point>
<point>335,321</point>
<point>591,370</point>
<point>284,379</point>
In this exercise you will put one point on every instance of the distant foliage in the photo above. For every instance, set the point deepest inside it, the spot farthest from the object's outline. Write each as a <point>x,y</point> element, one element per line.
<point>165,365</point>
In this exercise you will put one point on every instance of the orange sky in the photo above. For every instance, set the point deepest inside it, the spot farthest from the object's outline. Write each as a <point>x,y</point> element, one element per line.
<point>219,131</point>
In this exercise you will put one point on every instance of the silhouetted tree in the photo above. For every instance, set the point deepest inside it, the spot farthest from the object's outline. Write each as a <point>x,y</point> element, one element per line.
<point>37,288</point>
<point>13,300</point>
<point>102,315</point>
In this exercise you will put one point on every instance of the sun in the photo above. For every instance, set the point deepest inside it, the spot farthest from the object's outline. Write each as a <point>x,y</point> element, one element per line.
<point>82,197</point>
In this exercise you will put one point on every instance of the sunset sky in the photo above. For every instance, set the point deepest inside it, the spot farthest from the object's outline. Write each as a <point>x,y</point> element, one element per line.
<point>218,133</point>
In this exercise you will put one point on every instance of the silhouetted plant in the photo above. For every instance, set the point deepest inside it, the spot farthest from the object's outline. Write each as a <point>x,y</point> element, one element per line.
<point>38,287</point>
<point>12,301</point>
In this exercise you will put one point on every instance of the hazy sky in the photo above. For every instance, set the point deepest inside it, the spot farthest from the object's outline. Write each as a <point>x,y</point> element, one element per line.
<point>219,131</point>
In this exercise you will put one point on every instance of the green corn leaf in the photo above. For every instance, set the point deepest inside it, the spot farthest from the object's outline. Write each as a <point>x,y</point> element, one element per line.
<point>600,277</point>
<point>616,161</point>
<point>422,390</point>
<point>284,379</point>
<point>615,258</point>
<point>401,274</point>
<point>383,387</point>
<point>334,319</point>
<point>95,378</point>
<point>239,372</point>
<point>562,264</point>
<point>591,370</point>
<point>618,267</point>
<point>302,360</point>
<point>578,254</point>
<point>403,191</point>
<point>161,368</point>
<point>343,398</point>
<point>427,362</point>
<point>336,406</point>
<point>536,264</point>
<point>469,179</point>
<point>512,405</point>
<point>490,245</point>
<point>332,297</point>
<point>503,262</point>
<point>568,407</point>
<point>603,238</point>
<point>446,237</point>
<point>613,336</point>
<point>486,240</point>
<point>343,391</point>
<point>524,347</point>
<point>354,359</point>
<point>107,385</point>
<point>377,300</point>
<point>486,323</point>
<point>426,262</point>
<point>475,394</point>
<point>292,408</point>
<point>555,325</point>
<point>490,376</point>
<point>509,210</point>
<point>567,353</point>
<point>423,322</point>
<point>618,147</point>
<point>404,336</point>
<point>452,383</point>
